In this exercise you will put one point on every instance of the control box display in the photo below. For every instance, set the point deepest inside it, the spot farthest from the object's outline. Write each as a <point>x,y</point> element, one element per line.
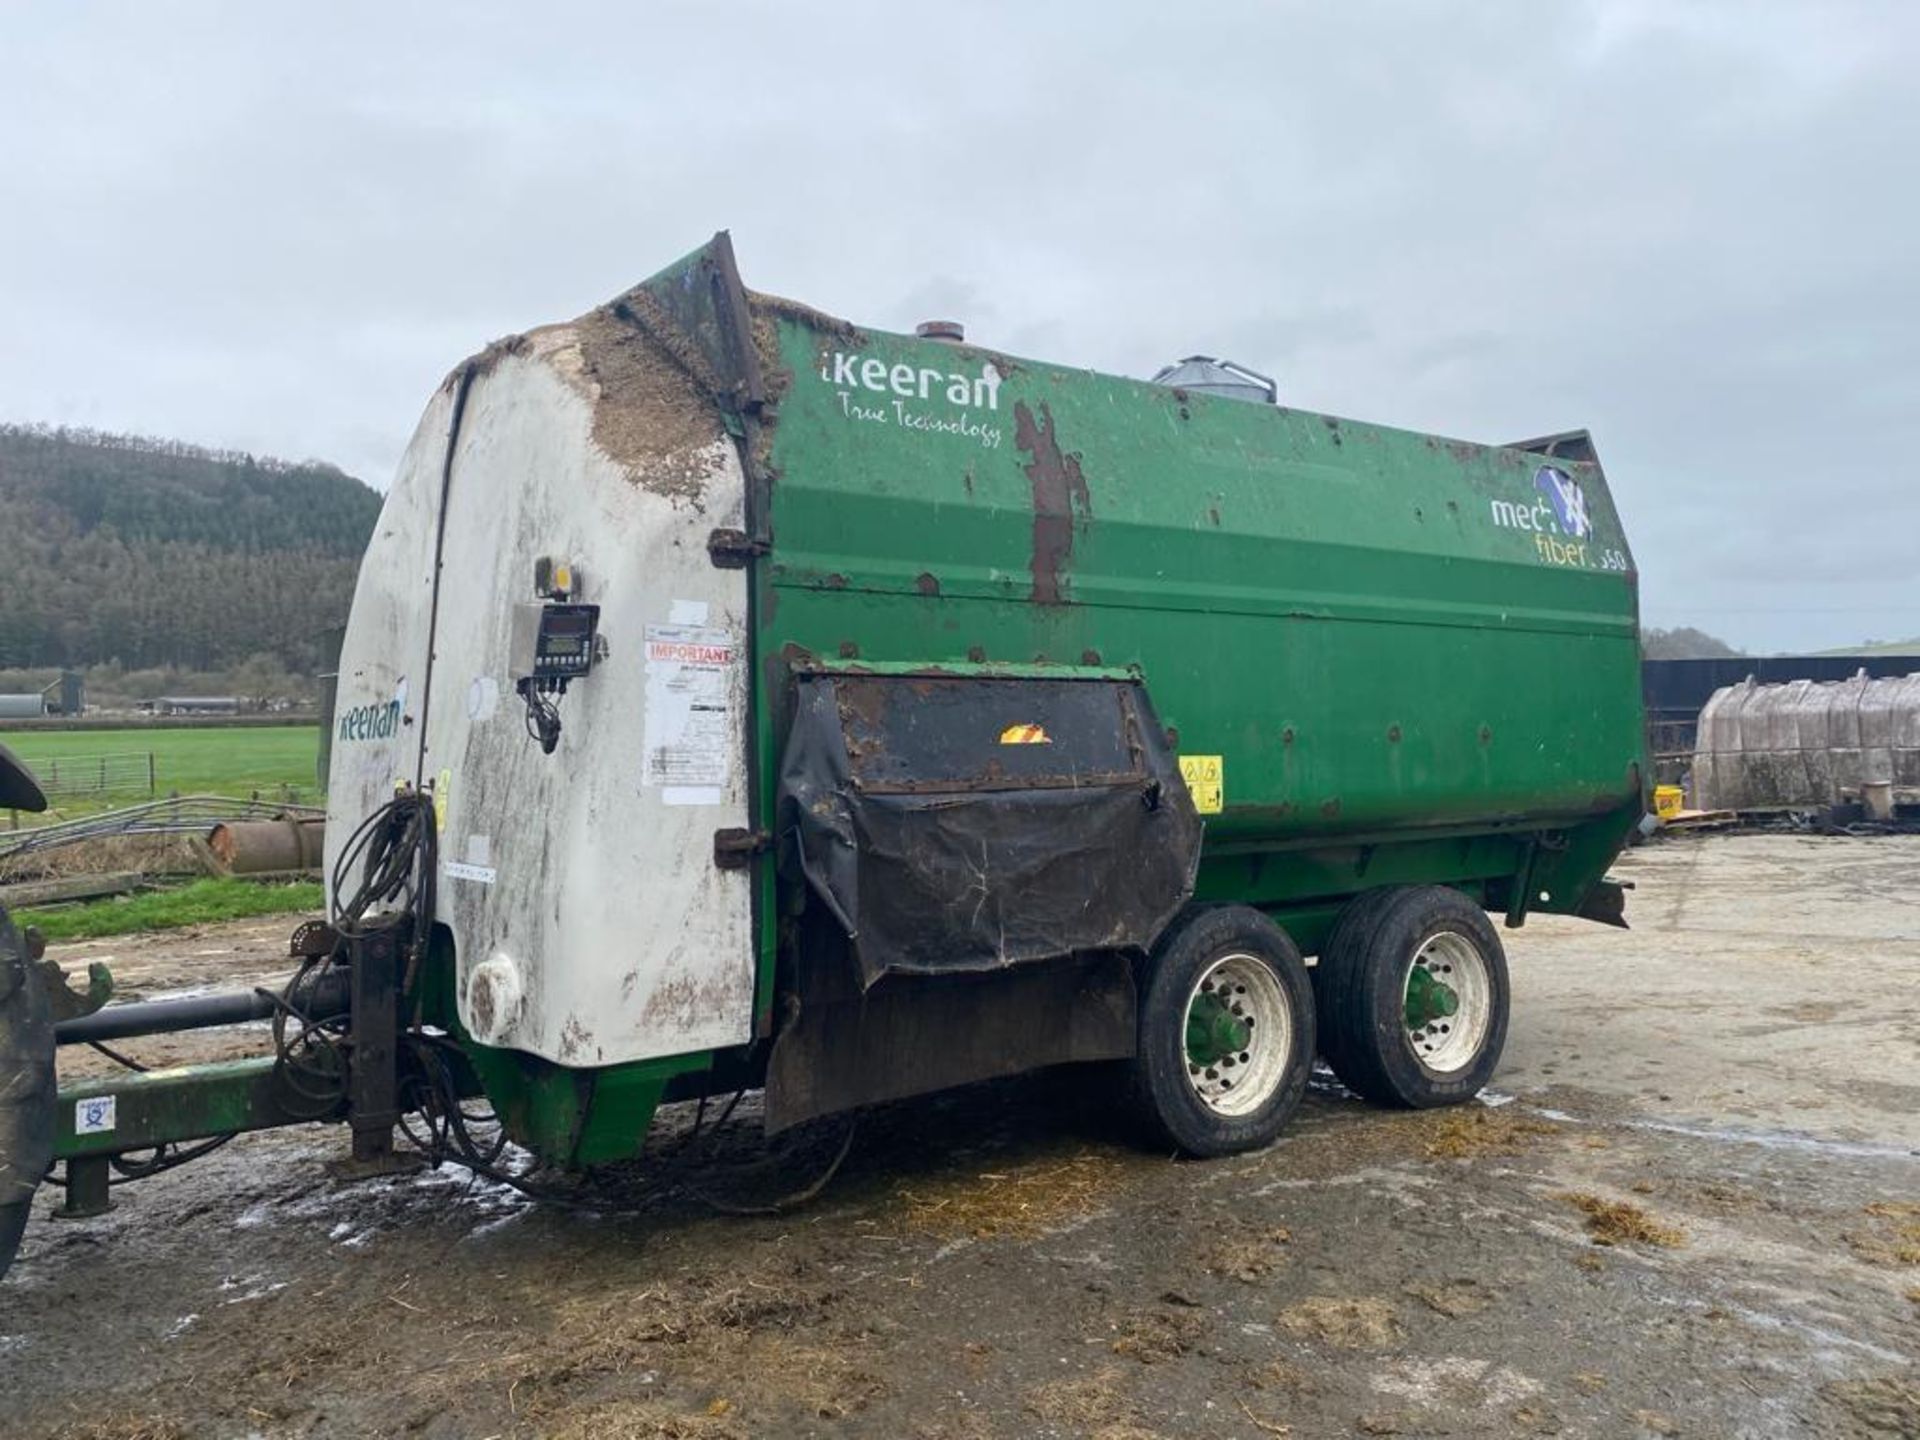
<point>552,641</point>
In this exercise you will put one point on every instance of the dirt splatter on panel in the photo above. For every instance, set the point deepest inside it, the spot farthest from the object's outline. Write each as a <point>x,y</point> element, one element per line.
<point>650,413</point>
<point>1060,500</point>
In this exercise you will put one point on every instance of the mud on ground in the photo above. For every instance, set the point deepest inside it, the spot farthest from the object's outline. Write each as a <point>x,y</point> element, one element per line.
<point>1688,1208</point>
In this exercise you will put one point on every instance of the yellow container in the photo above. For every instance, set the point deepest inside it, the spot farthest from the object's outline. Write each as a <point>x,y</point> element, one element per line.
<point>1667,800</point>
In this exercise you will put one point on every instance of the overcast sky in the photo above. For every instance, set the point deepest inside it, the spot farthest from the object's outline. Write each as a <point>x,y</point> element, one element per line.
<point>1692,228</point>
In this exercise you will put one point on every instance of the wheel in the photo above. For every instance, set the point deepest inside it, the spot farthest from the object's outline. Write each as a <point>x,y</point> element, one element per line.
<point>26,1088</point>
<point>1226,1032</point>
<point>1357,915</point>
<point>1412,994</point>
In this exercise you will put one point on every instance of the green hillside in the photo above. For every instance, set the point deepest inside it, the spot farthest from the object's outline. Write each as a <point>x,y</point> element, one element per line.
<point>1878,647</point>
<point>150,553</point>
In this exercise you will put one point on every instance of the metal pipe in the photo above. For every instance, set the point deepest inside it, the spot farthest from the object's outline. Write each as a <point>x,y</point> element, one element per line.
<point>197,1012</point>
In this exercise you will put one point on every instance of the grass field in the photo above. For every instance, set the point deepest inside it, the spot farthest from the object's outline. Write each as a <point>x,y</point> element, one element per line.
<point>277,761</point>
<point>201,903</point>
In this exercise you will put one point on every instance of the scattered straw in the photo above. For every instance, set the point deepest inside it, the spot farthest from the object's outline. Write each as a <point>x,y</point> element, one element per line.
<point>1895,1243</point>
<point>123,1425</point>
<point>1456,1299</point>
<point>1250,1256</point>
<point>1014,1204</point>
<point>1903,1210</point>
<point>1265,1427</point>
<point>826,1384</point>
<point>1093,1405</point>
<point>767,1332</point>
<point>1366,1323</point>
<point>1610,1222</point>
<point>1882,1405</point>
<point>1151,1336</point>
<point>1282,1375</point>
<point>642,1420</point>
<point>1467,1131</point>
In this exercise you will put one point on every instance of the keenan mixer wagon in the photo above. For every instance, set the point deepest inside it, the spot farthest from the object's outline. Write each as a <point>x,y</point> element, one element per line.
<point>736,698</point>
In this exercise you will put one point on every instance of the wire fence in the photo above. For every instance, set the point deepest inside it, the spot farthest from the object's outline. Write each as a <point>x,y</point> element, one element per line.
<point>179,815</point>
<point>131,773</point>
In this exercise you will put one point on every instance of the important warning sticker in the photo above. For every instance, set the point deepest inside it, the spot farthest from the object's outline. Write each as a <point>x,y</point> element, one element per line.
<point>1206,777</point>
<point>691,734</point>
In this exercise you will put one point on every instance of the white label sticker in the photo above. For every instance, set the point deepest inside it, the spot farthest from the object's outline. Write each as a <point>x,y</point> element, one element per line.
<point>479,849</point>
<point>692,795</point>
<point>460,870</point>
<point>687,612</point>
<point>690,731</point>
<point>94,1115</point>
<point>483,697</point>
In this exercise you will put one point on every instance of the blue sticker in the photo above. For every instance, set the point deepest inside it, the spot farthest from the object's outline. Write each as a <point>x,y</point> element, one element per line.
<point>1569,501</point>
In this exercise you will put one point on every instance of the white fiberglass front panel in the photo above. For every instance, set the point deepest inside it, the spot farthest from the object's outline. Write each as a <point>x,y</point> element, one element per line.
<point>590,922</point>
<point>376,733</point>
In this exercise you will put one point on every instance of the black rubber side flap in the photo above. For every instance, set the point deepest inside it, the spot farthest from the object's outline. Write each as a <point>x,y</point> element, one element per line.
<point>967,823</point>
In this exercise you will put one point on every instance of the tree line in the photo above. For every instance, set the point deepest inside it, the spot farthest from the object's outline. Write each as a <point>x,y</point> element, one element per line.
<point>147,553</point>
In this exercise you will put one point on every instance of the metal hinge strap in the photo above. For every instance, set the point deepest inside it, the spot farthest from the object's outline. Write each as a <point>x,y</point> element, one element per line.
<point>734,849</point>
<point>732,549</point>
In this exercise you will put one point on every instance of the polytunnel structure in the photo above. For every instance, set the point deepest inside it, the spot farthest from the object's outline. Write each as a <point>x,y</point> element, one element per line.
<point>1808,743</point>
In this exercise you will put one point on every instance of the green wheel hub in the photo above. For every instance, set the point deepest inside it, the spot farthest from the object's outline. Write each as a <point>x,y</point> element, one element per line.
<point>1428,999</point>
<point>1213,1031</point>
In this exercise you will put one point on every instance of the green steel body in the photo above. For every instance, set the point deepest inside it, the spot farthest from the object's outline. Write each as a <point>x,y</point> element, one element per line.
<point>1408,672</point>
<point>1407,666</point>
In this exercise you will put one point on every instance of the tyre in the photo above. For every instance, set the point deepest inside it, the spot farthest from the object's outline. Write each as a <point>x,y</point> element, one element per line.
<point>1355,917</point>
<point>26,1088</point>
<point>1412,995</point>
<point>1226,1032</point>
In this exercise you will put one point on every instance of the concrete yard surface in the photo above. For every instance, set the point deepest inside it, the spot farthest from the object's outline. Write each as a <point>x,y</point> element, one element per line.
<point>1688,1206</point>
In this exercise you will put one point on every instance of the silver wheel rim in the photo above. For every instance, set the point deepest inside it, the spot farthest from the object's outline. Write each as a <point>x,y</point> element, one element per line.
<point>1447,1044</point>
<point>1240,1082</point>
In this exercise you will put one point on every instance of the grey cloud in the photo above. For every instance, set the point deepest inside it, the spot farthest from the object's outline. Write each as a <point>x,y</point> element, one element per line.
<point>1684,225</point>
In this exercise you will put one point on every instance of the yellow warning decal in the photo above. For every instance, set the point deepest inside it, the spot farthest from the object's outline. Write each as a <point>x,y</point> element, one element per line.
<point>1025,735</point>
<point>1206,777</point>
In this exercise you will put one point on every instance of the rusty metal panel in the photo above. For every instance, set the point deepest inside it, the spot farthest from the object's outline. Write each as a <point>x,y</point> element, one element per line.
<point>914,1035</point>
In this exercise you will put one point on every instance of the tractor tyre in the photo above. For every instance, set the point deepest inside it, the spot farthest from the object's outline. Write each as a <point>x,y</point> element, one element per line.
<point>26,1087</point>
